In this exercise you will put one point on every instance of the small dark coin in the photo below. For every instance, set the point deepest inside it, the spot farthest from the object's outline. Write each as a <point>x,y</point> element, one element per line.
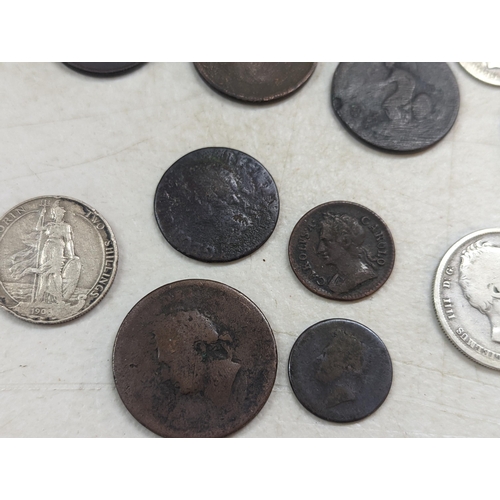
<point>216,204</point>
<point>340,370</point>
<point>399,107</point>
<point>256,81</point>
<point>194,358</point>
<point>341,250</point>
<point>104,68</point>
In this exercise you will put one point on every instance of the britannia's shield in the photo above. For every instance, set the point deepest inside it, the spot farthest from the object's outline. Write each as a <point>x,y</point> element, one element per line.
<point>70,275</point>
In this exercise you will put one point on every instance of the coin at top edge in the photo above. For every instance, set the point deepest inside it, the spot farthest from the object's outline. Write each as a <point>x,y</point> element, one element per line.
<point>194,358</point>
<point>341,250</point>
<point>484,71</point>
<point>467,296</point>
<point>396,107</point>
<point>340,370</point>
<point>104,69</point>
<point>58,258</point>
<point>216,204</point>
<point>256,82</point>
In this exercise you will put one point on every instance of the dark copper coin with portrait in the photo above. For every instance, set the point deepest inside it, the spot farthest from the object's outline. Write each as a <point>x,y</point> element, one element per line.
<point>104,68</point>
<point>194,358</point>
<point>216,205</point>
<point>398,107</point>
<point>256,81</point>
<point>340,370</point>
<point>341,250</point>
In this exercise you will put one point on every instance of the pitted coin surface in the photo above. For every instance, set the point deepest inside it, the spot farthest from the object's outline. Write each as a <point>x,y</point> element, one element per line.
<point>194,358</point>
<point>340,370</point>
<point>398,107</point>
<point>256,82</point>
<point>104,68</point>
<point>216,205</point>
<point>58,258</point>
<point>341,250</point>
<point>467,296</point>
<point>485,71</point>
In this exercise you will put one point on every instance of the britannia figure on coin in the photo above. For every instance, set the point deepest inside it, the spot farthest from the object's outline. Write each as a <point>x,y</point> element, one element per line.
<point>56,267</point>
<point>341,244</point>
<point>339,364</point>
<point>198,357</point>
<point>479,278</point>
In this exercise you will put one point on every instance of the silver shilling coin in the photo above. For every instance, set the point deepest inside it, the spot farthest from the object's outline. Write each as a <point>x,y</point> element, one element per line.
<point>467,296</point>
<point>485,71</point>
<point>58,258</point>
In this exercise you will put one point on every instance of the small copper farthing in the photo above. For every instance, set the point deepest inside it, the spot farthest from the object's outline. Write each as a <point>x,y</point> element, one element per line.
<point>341,250</point>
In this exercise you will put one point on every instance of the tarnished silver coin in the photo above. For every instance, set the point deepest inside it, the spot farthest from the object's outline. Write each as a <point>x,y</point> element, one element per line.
<point>488,72</point>
<point>58,258</point>
<point>467,296</point>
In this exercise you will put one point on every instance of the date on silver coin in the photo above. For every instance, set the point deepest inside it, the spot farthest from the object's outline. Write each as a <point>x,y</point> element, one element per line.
<point>58,258</point>
<point>467,296</point>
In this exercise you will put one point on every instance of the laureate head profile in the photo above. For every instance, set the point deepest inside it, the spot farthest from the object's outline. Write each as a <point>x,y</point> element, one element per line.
<point>341,241</point>
<point>479,278</point>
<point>199,358</point>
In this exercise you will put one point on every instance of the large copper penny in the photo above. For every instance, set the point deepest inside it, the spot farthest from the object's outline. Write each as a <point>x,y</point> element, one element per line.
<point>341,250</point>
<point>256,81</point>
<point>194,358</point>
<point>340,370</point>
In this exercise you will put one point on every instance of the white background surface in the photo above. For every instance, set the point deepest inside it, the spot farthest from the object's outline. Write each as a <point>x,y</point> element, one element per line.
<point>108,141</point>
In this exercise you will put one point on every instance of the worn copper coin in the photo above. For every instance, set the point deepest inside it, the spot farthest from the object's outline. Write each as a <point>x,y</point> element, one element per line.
<point>216,204</point>
<point>340,370</point>
<point>341,250</point>
<point>256,81</point>
<point>399,107</point>
<point>104,68</point>
<point>194,358</point>
<point>58,259</point>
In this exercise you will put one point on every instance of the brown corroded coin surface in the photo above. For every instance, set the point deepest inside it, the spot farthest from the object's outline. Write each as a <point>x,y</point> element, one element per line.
<point>194,358</point>
<point>256,81</point>
<point>340,370</point>
<point>341,250</point>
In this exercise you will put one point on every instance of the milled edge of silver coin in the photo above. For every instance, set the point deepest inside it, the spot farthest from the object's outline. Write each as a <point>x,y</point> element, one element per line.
<point>480,73</point>
<point>443,323</point>
<point>250,416</point>
<point>104,292</point>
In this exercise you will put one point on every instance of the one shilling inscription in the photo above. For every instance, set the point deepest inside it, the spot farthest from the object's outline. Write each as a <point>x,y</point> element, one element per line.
<point>467,296</point>
<point>58,258</point>
<point>341,250</point>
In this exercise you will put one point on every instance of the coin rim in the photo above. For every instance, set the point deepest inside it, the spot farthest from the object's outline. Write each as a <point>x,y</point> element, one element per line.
<point>472,355</point>
<point>217,284</point>
<point>324,295</point>
<point>110,73</point>
<point>339,321</point>
<point>216,261</point>
<point>255,100</point>
<point>111,278</point>
<point>480,74</point>
<point>384,149</point>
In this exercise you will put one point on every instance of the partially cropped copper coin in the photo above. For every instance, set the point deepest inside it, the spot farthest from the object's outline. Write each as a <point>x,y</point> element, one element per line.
<point>256,81</point>
<point>104,69</point>
<point>340,370</point>
<point>194,358</point>
<point>341,250</point>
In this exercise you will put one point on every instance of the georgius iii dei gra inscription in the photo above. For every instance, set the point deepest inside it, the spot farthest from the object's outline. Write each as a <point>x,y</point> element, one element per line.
<point>341,250</point>
<point>58,258</point>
